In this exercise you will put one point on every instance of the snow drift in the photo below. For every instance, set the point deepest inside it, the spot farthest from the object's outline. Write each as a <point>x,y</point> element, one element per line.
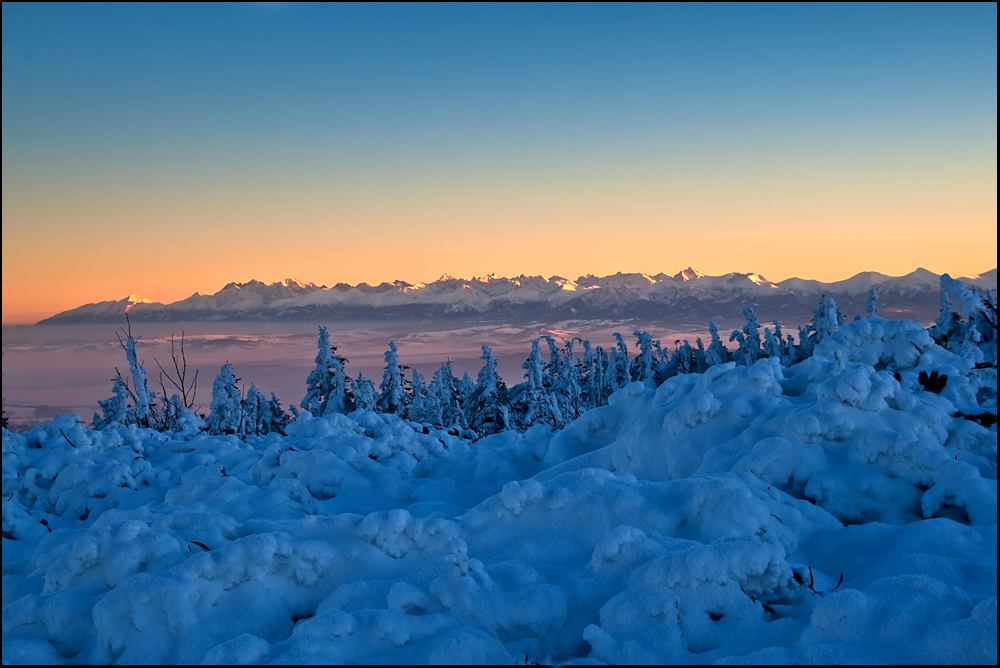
<point>836,510</point>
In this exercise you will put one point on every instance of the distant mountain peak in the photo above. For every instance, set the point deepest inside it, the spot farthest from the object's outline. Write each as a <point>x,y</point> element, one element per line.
<point>134,299</point>
<point>688,274</point>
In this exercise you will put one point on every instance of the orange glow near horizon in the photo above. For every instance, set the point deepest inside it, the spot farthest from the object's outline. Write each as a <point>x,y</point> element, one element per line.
<point>825,216</point>
<point>58,255</point>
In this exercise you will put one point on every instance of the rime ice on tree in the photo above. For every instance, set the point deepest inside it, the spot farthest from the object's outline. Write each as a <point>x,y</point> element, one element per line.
<point>227,404</point>
<point>326,385</point>
<point>392,394</point>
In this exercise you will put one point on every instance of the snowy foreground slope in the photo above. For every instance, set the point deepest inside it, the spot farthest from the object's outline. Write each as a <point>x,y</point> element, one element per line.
<point>834,511</point>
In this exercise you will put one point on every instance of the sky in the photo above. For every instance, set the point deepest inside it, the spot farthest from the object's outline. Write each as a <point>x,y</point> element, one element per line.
<point>167,149</point>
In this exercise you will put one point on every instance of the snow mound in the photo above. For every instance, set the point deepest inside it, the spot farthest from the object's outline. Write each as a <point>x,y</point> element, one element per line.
<point>837,510</point>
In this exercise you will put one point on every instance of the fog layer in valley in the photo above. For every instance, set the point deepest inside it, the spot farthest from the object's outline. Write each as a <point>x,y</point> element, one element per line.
<point>51,370</point>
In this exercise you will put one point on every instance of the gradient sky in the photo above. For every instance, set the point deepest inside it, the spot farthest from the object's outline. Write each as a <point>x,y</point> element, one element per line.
<point>164,149</point>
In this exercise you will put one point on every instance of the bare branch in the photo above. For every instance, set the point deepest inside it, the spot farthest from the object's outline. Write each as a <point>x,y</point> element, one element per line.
<point>67,438</point>
<point>179,378</point>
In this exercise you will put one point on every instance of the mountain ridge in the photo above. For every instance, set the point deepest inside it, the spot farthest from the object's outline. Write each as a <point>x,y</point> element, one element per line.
<point>686,294</point>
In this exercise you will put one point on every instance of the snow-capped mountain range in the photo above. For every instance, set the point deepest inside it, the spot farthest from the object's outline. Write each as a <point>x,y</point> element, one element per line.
<point>685,297</point>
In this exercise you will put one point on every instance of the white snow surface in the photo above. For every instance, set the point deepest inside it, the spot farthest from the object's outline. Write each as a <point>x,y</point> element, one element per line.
<point>823,513</point>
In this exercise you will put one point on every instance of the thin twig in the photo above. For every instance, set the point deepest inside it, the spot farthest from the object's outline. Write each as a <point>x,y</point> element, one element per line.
<point>67,438</point>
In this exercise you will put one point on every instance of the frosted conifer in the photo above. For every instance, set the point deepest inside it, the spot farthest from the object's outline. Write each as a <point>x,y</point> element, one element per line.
<point>326,386</point>
<point>772,345</point>
<point>716,353</point>
<point>946,322</point>
<point>466,387</point>
<point>278,419</point>
<point>685,358</point>
<point>227,404</point>
<point>806,344</point>
<point>561,383</point>
<point>569,381</point>
<point>256,413</point>
<point>488,401</point>
<point>645,362</point>
<point>871,307</point>
<point>587,376</point>
<point>750,345</point>
<point>699,356</point>
<point>448,396</point>
<point>535,402</point>
<point>620,371</point>
<point>416,410</point>
<point>739,355</point>
<point>601,363</point>
<point>826,319</point>
<point>114,411</point>
<point>392,393</point>
<point>788,352</point>
<point>432,405</point>
<point>365,398</point>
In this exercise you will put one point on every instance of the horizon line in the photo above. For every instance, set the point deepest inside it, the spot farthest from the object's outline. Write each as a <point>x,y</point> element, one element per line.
<point>27,319</point>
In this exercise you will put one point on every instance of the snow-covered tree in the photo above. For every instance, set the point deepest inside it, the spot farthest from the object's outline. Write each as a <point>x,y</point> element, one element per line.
<point>699,355</point>
<point>973,332</point>
<point>806,343</point>
<point>534,400</point>
<point>488,401</point>
<point>392,391</point>
<point>645,362</point>
<point>227,404</point>
<point>279,419</point>
<point>620,369</point>
<point>827,318</point>
<point>416,409</point>
<point>601,364</point>
<point>256,413</point>
<point>171,413</point>
<point>871,305</point>
<point>3,410</point>
<point>946,321</point>
<point>114,411</point>
<point>748,338</point>
<point>448,398</point>
<point>365,398</point>
<point>570,380</point>
<point>772,344</point>
<point>466,387</point>
<point>716,353</point>
<point>685,359</point>
<point>738,336</point>
<point>562,384</point>
<point>789,355</point>
<point>326,386</point>
<point>587,375</point>
<point>140,394</point>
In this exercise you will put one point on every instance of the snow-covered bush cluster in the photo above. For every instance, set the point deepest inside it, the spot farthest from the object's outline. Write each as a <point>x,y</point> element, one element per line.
<point>556,390</point>
<point>830,500</point>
